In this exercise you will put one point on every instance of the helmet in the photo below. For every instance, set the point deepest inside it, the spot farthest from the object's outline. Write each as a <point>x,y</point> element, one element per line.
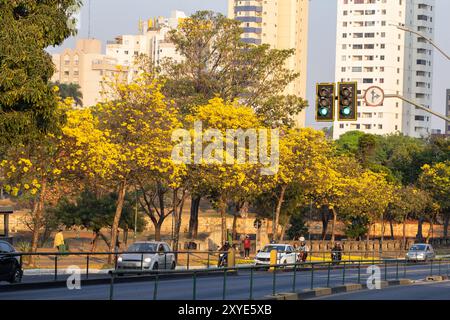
<point>302,239</point>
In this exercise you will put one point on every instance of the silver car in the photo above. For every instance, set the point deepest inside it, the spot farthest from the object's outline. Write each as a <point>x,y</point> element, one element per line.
<point>147,255</point>
<point>420,252</point>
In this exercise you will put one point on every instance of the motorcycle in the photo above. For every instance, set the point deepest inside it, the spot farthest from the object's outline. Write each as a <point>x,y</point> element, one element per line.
<point>302,256</point>
<point>336,257</point>
<point>223,260</point>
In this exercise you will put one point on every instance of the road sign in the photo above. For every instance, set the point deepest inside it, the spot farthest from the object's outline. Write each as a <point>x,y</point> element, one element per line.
<point>374,97</point>
<point>257,224</point>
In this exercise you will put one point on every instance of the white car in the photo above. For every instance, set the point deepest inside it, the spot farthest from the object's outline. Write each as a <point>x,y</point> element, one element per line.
<point>285,254</point>
<point>420,252</point>
<point>147,255</point>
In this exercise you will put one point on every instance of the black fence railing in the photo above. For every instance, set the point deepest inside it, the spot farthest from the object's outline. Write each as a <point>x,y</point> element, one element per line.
<point>339,272</point>
<point>57,262</point>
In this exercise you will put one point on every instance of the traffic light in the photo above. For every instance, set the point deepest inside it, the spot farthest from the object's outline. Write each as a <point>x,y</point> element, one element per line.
<point>325,102</point>
<point>347,101</point>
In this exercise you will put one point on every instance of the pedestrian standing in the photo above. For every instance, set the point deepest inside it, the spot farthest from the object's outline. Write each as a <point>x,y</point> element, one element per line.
<point>247,247</point>
<point>59,241</point>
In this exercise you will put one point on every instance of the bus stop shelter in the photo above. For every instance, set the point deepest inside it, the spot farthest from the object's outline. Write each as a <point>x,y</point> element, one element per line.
<point>5,212</point>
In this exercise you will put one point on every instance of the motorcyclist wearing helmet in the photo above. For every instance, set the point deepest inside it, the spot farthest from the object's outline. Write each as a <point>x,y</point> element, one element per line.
<point>223,254</point>
<point>336,252</point>
<point>303,249</point>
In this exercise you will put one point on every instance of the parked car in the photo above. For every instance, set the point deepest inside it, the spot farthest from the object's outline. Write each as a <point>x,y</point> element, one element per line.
<point>10,267</point>
<point>420,252</point>
<point>285,254</point>
<point>149,255</point>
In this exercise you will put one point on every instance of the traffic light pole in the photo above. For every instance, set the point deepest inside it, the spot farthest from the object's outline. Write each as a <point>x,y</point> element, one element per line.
<point>406,29</point>
<point>417,105</point>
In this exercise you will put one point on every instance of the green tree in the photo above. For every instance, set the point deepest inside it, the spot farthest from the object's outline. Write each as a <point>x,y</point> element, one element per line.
<point>95,212</point>
<point>27,103</point>
<point>218,63</point>
<point>70,90</point>
<point>348,143</point>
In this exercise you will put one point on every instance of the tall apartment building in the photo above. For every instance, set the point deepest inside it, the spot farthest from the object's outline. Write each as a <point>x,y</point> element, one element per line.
<point>447,112</point>
<point>86,66</point>
<point>372,52</point>
<point>283,24</point>
<point>151,41</point>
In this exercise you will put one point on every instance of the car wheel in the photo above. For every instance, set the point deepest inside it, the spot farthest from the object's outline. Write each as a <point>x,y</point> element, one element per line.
<point>174,265</point>
<point>16,276</point>
<point>155,266</point>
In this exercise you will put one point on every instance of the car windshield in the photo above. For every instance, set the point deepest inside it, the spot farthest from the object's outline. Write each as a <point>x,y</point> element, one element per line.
<point>273,247</point>
<point>142,247</point>
<point>418,247</point>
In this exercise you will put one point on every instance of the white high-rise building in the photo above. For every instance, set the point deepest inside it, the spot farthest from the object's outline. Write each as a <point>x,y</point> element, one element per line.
<point>282,24</point>
<point>373,52</point>
<point>152,41</point>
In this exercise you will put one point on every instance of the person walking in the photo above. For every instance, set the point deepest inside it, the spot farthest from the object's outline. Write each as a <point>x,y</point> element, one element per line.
<point>59,241</point>
<point>247,247</point>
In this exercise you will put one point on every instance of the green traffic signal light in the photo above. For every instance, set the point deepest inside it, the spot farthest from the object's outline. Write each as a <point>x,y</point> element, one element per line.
<point>347,101</point>
<point>325,102</point>
<point>346,111</point>
<point>323,111</point>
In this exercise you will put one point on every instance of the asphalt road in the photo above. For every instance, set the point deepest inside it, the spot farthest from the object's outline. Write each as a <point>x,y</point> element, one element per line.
<point>418,291</point>
<point>212,288</point>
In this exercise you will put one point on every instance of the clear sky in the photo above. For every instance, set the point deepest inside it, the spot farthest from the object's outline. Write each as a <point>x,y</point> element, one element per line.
<point>110,18</point>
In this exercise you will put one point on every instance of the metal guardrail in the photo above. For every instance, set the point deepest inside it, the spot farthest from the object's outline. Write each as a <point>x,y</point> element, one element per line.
<point>192,258</point>
<point>209,257</point>
<point>308,268</point>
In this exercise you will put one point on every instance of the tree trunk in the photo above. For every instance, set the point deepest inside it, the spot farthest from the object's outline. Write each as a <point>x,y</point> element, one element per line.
<point>125,235</point>
<point>404,232</point>
<point>178,211</point>
<point>283,231</point>
<point>325,219</point>
<point>37,219</point>
<point>333,226</point>
<point>120,200</point>
<point>94,241</point>
<point>368,233</point>
<point>223,209</point>
<point>391,225</point>
<point>419,235</point>
<point>277,213</point>
<point>430,231</point>
<point>193,220</point>
<point>446,223</point>
<point>234,228</point>
<point>158,230</point>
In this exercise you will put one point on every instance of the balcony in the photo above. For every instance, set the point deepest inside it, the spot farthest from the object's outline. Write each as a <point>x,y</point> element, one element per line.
<point>247,8</point>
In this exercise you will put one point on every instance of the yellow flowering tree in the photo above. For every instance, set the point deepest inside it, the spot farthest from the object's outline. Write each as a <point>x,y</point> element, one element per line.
<point>436,179</point>
<point>36,171</point>
<point>220,172</point>
<point>303,161</point>
<point>138,121</point>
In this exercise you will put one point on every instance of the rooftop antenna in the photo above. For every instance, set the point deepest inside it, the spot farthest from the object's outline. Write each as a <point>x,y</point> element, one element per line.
<point>89,20</point>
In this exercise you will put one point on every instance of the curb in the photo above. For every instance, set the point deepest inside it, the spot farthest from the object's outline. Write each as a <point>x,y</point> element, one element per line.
<point>320,292</point>
<point>436,278</point>
<point>91,282</point>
